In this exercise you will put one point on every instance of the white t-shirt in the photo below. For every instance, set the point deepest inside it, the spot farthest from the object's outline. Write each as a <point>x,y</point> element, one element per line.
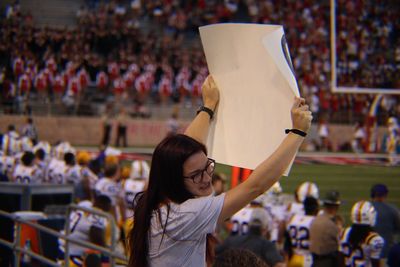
<point>184,242</point>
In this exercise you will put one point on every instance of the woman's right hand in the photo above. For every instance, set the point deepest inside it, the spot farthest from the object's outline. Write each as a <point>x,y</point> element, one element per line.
<point>301,115</point>
<point>210,93</point>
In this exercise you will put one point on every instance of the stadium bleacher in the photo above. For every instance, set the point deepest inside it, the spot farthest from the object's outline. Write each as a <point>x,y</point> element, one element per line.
<point>77,58</point>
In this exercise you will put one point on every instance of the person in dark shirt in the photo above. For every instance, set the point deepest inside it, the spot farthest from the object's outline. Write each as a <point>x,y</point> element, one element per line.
<point>388,217</point>
<point>255,242</point>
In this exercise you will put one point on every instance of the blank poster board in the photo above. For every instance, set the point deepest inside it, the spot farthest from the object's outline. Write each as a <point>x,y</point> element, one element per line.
<point>252,68</point>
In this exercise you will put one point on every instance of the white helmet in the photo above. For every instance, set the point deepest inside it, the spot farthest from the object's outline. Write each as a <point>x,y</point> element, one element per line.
<point>307,189</point>
<point>140,169</point>
<point>276,189</point>
<point>62,148</point>
<point>363,212</point>
<point>43,145</point>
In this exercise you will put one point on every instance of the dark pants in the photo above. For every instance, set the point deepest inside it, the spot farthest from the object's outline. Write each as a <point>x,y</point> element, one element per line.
<point>121,135</point>
<point>330,260</point>
<point>106,134</point>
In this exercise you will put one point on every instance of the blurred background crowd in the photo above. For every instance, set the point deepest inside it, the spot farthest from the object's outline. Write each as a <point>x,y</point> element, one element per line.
<point>148,53</point>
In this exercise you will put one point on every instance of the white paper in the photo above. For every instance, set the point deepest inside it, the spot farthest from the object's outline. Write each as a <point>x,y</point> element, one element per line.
<point>257,89</point>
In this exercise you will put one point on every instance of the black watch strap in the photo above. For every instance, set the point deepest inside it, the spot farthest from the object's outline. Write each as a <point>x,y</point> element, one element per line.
<point>206,109</point>
<point>296,131</point>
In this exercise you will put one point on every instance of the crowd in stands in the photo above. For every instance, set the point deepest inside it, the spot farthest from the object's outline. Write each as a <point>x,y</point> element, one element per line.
<point>142,52</point>
<point>275,231</point>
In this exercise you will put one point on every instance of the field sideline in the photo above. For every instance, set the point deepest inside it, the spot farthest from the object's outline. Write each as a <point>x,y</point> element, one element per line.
<point>352,175</point>
<point>352,181</point>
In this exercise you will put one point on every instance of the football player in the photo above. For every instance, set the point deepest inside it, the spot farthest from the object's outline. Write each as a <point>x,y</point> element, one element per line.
<point>27,172</point>
<point>88,227</point>
<point>56,169</point>
<point>298,232</point>
<point>240,220</point>
<point>304,190</point>
<point>274,203</point>
<point>359,244</point>
<point>111,187</point>
<point>137,182</point>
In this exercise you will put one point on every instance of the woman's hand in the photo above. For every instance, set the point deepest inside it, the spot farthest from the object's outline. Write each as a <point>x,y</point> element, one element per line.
<point>301,115</point>
<point>210,93</point>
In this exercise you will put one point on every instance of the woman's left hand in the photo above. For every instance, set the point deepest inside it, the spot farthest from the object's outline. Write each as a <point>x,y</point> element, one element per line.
<point>210,93</point>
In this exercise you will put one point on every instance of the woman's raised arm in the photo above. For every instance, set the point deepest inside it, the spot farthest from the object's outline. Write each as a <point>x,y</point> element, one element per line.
<point>271,169</point>
<point>198,128</point>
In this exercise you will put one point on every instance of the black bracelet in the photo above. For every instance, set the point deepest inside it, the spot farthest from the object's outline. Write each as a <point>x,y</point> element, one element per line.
<point>206,109</point>
<point>296,131</point>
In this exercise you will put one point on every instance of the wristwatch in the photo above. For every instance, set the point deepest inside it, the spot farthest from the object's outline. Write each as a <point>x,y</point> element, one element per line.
<point>206,109</point>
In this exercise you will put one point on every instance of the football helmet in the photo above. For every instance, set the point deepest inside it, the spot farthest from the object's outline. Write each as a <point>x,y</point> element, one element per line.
<point>307,189</point>
<point>363,212</point>
<point>140,169</point>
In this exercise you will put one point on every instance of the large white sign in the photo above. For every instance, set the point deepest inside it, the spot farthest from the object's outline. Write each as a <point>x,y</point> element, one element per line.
<point>252,68</point>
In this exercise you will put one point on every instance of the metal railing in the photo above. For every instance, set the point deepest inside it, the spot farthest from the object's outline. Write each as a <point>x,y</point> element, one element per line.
<point>18,249</point>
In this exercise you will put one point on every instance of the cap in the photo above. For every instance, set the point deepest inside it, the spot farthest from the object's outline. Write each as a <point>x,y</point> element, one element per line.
<point>332,198</point>
<point>379,190</point>
<point>259,218</point>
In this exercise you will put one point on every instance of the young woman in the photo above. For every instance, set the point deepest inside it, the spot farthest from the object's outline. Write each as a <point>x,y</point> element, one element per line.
<point>174,216</point>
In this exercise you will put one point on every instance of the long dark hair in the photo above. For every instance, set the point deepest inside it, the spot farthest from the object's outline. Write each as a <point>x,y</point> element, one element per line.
<point>358,234</point>
<point>165,184</point>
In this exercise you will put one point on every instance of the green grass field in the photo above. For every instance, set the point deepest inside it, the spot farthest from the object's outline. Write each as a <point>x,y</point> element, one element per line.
<point>353,182</point>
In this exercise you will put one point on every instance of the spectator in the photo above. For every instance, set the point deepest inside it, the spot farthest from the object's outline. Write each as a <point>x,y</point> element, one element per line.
<point>179,192</point>
<point>255,241</point>
<point>387,218</point>
<point>324,233</point>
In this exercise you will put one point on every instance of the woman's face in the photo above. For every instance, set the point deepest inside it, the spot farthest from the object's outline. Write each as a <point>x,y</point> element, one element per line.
<point>197,172</point>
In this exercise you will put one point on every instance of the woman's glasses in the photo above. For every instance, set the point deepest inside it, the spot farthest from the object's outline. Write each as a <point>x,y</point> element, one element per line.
<point>198,176</point>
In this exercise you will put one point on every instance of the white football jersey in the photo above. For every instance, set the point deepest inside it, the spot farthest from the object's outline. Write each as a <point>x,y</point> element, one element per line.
<point>27,174</point>
<point>131,188</point>
<point>73,174</point>
<point>361,256</point>
<point>299,232</point>
<point>278,213</point>
<point>294,208</point>
<point>42,165</point>
<point>55,173</point>
<point>240,220</point>
<point>80,224</point>
<point>108,187</point>
<point>91,176</point>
